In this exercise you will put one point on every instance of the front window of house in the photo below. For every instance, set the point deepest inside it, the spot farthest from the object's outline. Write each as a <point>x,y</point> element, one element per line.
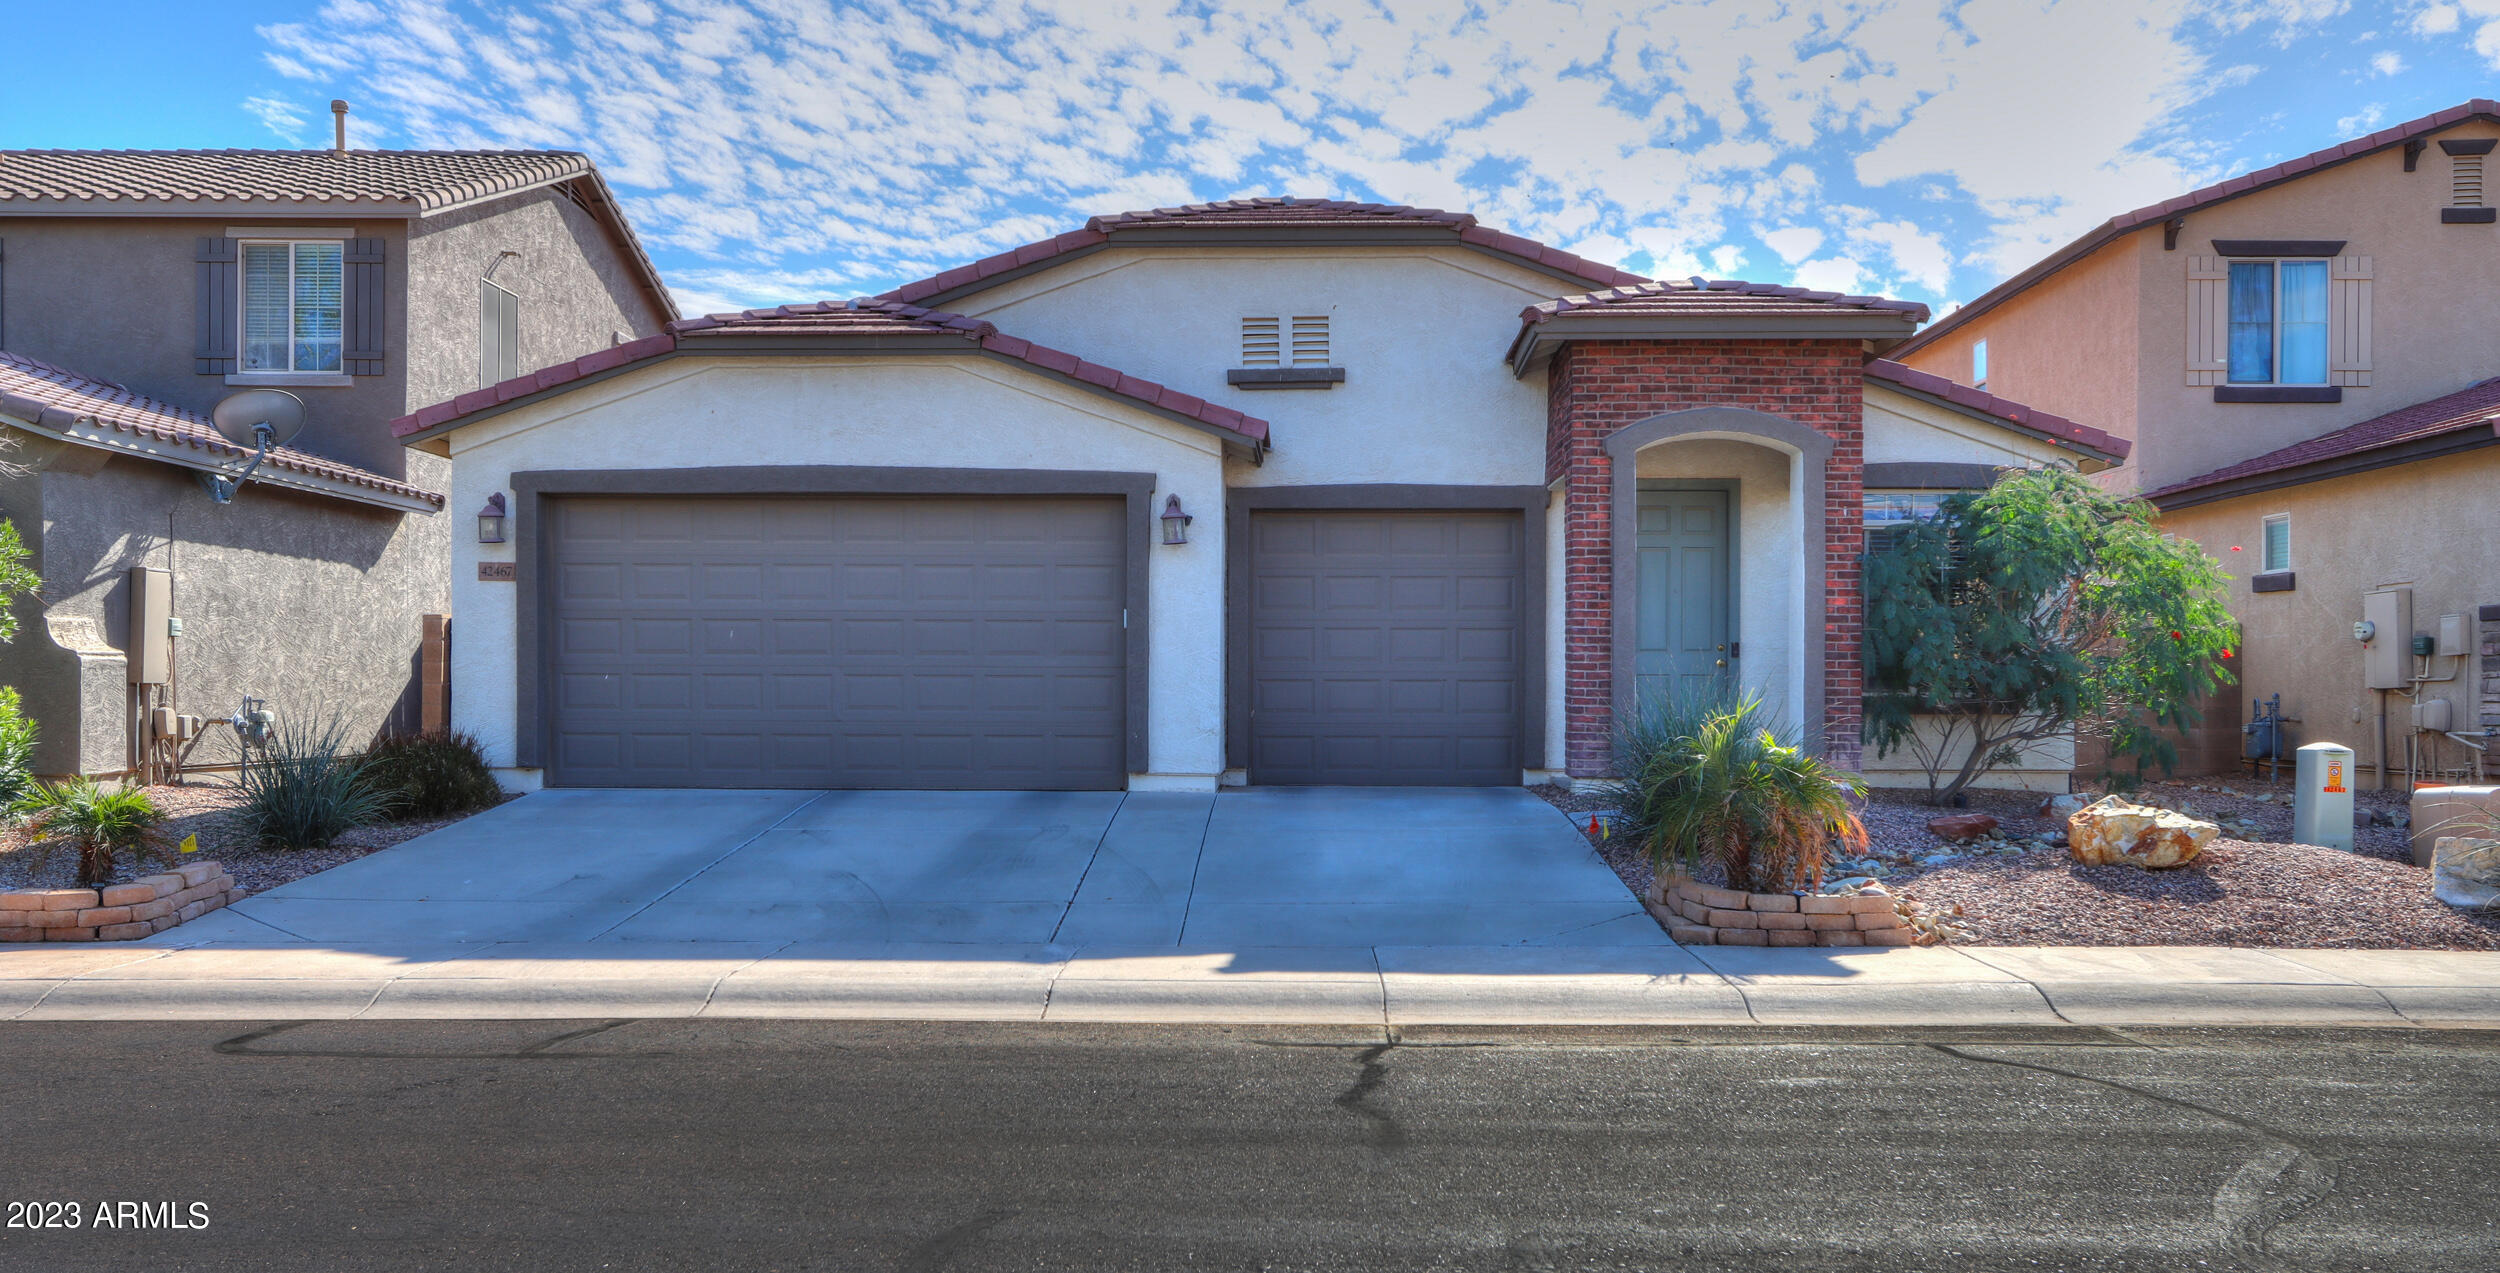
<point>294,306</point>
<point>1888,512</point>
<point>2278,322</point>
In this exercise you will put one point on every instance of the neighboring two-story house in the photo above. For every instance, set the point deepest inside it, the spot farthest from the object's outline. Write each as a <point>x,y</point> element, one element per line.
<point>2304,358</point>
<point>1270,491</point>
<point>138,288</point>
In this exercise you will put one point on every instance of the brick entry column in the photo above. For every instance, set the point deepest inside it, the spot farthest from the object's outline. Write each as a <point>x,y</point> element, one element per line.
<point>1594,388</point>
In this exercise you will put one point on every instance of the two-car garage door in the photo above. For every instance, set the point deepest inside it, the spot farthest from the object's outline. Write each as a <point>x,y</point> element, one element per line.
<point>836,641</point>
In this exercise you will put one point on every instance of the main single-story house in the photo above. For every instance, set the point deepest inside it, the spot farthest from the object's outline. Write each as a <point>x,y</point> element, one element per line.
<point>1271,491</point>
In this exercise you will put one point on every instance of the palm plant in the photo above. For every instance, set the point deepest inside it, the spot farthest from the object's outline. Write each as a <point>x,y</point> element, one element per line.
<point>1732,792</point>
<point>98,821</point>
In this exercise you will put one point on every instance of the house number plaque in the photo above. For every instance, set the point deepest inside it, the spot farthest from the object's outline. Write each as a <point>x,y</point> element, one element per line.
<point>498,571</point>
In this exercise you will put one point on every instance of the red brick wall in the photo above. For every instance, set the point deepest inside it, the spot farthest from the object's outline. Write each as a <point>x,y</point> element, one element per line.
<point>1595,388</point>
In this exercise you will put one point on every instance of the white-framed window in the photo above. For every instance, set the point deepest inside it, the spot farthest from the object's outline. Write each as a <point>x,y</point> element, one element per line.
<point>1979,364</point>
<point>2278,322</point>
<point>2274,550</point>
<point>294,305</point>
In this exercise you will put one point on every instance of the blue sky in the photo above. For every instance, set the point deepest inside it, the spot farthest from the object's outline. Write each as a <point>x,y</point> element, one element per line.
<point>775,150</point>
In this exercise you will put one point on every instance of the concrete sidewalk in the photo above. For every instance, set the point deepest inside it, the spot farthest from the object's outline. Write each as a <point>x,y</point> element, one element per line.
<point>1365,985</point>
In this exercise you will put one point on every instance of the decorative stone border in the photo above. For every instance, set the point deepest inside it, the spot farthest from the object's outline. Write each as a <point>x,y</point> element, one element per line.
<point>116,912</point>
<point>1698,915</point>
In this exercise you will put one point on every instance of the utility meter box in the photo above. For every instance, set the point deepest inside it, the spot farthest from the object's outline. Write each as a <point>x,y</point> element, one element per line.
<point>2322,796</point>
<point>2387,657</point>
<point>151,656</point>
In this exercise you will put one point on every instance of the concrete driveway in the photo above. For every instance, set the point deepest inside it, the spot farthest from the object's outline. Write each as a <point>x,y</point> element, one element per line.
<point>1277,867</point>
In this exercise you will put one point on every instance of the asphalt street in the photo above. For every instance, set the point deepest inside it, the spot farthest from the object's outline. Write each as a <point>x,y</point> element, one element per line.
<point>763,1144</point>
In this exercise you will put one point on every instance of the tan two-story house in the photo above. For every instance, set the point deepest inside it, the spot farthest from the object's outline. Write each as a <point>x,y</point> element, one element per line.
<point>2304,358</point>
<point>140,288</point>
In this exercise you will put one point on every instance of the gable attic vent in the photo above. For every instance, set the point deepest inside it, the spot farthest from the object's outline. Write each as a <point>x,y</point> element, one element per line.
<point>1310,340</point>
<point>1260,346</point>
<point>2466,203</point>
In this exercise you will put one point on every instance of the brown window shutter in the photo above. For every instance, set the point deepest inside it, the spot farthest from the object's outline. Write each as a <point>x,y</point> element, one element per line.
<point>215,317</point>
<point>2208,321</point>
<point>2348,317</point>
<point>363,299</point>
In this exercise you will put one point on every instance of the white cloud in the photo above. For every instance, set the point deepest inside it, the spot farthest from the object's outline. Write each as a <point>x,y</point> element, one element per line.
<point>2365,121</point>
<point>2387,62</point>
<point>278,116</point>
<point>768,144</point>
<point>1830,274</point>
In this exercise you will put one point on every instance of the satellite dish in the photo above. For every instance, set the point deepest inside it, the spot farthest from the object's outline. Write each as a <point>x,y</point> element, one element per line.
<point>262,419</point>
<point>240,415</point>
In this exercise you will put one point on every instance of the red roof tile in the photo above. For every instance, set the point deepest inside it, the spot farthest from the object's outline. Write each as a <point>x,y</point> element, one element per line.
<point>2125,222</point>
<point>1715,296</point>
<point>426,179</point>
<point>2475,407</point>
<point>55,399</point>
<point>868,318</point>
<point>1314,215</point>
<point>2054,428</point>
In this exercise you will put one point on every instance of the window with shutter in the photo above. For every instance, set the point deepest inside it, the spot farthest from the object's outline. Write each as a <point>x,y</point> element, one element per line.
<point>293,306</point>
<point>2209,321</point>
<point>365,296</point>
<point>214,314</point>
<point>2349,308</point>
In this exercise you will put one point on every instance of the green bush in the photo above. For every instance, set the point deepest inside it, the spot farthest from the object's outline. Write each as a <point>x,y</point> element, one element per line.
<point>1649,744</point>
<point>17,749</point>
<point>96,820</point>
<point>1708,782</point>
<point>303,791</point>
<point>432,776</point>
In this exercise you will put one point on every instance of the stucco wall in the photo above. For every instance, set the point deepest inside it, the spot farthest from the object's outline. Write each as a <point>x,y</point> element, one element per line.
<point>2051,346</point>
<point>1903,429</point>
<point>921,412</point>
<point>576,288</point>
<point>309,602</point>
<point>1421,333</point>
<point>2425,525</point>
<point>116,299</point>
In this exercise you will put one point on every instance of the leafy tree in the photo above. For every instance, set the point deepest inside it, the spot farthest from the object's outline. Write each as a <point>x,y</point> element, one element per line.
<point>2039,606</point>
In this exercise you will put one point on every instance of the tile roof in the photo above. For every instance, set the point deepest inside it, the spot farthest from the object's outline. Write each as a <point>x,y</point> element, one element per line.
<point>2476,407</point>
<point>1319,217</point>
<point>425,180</point>
<point>2054,428</point>
<point>867,318</point>
<point>1713,297</point>
<point>54,399</point>
<point>2245,183</point>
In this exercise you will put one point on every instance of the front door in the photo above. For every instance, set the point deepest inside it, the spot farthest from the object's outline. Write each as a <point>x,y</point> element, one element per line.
<point>1682,556</point>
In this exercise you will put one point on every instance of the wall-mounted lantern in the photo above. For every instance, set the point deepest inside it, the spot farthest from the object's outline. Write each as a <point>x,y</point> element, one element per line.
<point>1175,522</point>
<point>490,520</point>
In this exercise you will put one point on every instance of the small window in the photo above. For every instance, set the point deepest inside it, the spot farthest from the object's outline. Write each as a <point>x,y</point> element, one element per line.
<point>2278,322</point>
<point>1887,512</point>
<point>498,334</point>
<point>1310,340</point>
<point>2276,553</point>
<point>294,306</point>
<point>1260,343</point>
<point>1979,365</point>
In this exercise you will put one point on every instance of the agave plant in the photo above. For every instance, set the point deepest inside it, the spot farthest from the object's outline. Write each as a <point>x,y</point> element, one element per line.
<point>303,790</point>
<point>1728,789</point>
<point>100,822</point>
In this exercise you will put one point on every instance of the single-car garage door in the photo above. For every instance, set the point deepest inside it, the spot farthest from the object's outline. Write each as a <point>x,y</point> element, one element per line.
<point>835,641</point>
<point>1385,648</point>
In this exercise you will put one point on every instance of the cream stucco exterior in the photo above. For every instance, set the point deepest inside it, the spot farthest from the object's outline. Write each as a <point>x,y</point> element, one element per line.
<point>2410,526</point>
<point>954,412</point>
<point>2104,340</point>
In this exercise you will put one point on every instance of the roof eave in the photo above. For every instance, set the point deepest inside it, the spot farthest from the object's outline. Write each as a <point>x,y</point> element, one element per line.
<point>2107,459</point>
<point>2436,446</point>
<point>1537,341</point>
<point>321,209</point>
<point>120,442</point>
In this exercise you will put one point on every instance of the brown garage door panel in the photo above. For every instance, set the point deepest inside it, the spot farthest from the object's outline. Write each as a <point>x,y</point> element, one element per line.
<point>1386,647</point>
<point>837,641</point>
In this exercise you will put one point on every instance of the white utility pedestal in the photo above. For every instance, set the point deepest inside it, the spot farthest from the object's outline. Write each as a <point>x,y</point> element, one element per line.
<point>2322,796</point>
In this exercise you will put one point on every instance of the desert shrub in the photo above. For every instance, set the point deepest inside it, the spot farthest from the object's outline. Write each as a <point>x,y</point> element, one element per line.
<point>432,775</point>
<point>1649,744</point>
<point>97,821</point>
<point>1727,788</point>
<point>303,790</point>
<point>17,749</point>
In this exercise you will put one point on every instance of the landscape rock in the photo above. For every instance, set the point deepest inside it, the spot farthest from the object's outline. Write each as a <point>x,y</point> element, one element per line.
<point>1962,826</point>
<point>2114,831</point>
<point>2062,807</point>
<point>2465,871</point>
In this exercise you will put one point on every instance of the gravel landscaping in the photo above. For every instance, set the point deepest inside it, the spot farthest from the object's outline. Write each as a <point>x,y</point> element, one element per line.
<point>2251,886</point>
<point>208,808</point>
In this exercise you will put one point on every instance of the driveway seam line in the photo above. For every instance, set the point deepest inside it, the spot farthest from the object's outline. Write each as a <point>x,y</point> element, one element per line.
<point>1205,831</point>
<point>1082,876</point>
<point>712,991</point>
<point>671,891</point>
